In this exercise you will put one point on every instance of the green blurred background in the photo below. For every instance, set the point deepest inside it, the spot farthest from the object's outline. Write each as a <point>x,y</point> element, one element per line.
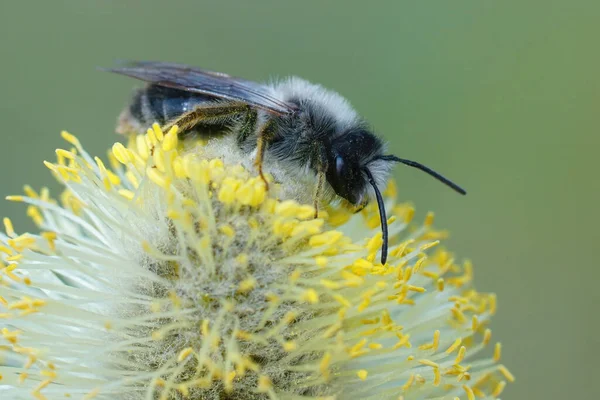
<point>501,96</point>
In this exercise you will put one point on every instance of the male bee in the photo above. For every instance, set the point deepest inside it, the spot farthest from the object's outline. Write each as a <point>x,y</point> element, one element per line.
<point>296,122</point>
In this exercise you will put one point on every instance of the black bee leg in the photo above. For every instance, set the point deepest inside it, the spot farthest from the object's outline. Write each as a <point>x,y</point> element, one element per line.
<point>265,135</point>
<point>247,127</point>
<point>318,191</point>
<point>208,113</point>
<point>321,171</point>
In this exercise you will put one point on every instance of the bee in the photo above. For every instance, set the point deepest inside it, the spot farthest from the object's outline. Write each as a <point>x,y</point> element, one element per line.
<point>294,121</point>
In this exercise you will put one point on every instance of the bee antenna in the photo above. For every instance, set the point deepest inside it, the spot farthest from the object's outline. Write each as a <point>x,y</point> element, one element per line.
<point>423,168</point>
<point>382,216</point>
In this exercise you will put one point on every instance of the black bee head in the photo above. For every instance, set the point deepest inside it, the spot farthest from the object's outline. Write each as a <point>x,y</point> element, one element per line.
<point>356,164</point>
<point>349,156</point>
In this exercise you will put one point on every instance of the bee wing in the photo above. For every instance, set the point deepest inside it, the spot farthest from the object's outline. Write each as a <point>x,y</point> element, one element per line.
<point>210,83</point>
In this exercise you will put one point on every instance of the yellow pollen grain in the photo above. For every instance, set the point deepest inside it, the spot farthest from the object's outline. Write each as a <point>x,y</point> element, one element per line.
<point>461,355</point>
<point>183,354</point>
<point>469,392</point>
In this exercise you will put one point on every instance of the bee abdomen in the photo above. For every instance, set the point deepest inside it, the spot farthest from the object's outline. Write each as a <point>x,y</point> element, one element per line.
<point>156,104</point>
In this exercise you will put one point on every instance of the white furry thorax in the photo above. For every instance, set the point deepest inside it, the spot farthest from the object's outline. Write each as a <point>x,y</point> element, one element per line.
<point>330,101</point>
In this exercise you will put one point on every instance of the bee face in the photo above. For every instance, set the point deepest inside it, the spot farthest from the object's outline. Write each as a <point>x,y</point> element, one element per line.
<point>348,157</point>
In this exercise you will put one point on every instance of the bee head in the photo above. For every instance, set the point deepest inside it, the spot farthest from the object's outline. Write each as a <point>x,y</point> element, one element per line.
<point>356,164</point>
<point>349,156</point>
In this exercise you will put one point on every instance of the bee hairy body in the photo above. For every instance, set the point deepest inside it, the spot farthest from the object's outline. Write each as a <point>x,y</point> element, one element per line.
<point>312,130</point>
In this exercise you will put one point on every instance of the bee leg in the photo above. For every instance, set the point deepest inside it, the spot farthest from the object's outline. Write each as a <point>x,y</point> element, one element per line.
<point>318,191</point>
<point>248,126</point>
<point>208,113</point>
<point>321,171</point>
<point>265,135</point>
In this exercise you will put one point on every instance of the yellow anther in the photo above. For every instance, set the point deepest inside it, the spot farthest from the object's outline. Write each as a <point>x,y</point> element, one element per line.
<point>128,194</point>
<point>499,389</point>
<point>487,336</point>
<point>429,219</point>
<point>436,339</point>
<point>65,154</point>
<point>362,374</point>
<point>227,230</point>
<point>8,226</point>
<point>247,285</point>
<point>183,354</point>
<point>158,178</point>
<point>42,385</point>
<point>70,138</point>
<point>492,299</point>
<point>437,377</point>
<point>469,392</point>
<point>290,346</point>
<point>417,289</point>
<point>14,198</point>
<point>48,373</point>
<point>454,346</point>
<point>50,238</point>
<point>158,133</point>
<point>461,355</point>
<point>428,246</point>
<point>474,323</point>
<point>321,261</point>
<point>264,384</point>
<point>440,284</point>
<point>429,363</point>
<point>310,296</point>
<point>408,383</point>
<point>324,365</point>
